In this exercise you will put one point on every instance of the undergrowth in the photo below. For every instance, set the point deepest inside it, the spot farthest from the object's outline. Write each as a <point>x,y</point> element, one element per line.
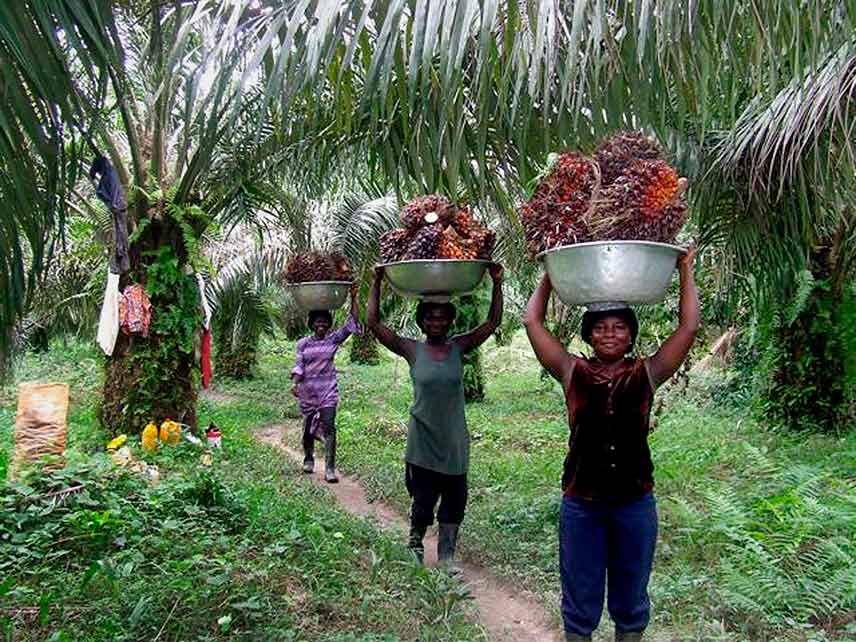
<point>244,549</point>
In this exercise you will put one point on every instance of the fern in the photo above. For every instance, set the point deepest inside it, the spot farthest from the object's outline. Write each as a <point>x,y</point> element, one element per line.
<point>804,287</point>
<point>787,555</point>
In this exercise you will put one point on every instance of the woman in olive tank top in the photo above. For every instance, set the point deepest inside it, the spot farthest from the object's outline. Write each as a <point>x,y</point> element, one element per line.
<point>438,444</point>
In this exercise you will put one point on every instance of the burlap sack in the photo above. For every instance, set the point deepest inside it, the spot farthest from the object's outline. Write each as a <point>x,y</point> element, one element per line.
<point>40,425</point>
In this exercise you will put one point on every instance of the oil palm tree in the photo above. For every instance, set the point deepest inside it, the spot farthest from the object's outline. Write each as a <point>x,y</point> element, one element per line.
<point>463,95</point>
<point>357,223</point>
<point>169,93</point>
<point>755,101</point>
<point>244,300</point>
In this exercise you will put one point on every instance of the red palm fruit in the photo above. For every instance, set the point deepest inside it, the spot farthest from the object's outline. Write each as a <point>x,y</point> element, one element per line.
<point>393,245</point>
<point>616,152</point>
<point>428,210</point>
<point>425,243</point>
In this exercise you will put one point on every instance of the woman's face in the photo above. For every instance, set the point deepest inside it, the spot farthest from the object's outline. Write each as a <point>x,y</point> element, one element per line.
<point>436,323</point>
<point>611,338</point>
<point>320,326</point>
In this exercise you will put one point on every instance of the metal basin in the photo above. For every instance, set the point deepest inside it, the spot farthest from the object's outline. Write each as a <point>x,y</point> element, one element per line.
<point>627,271</point>
<point>320,295</point>
<point>435,280</point>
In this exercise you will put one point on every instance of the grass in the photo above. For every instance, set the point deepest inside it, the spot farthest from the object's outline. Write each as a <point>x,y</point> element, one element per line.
<point>246,549</point>
<point>757,538</point>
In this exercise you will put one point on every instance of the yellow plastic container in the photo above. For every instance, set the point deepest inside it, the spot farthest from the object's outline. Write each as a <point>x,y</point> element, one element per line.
<point>170,432</point>
<point>150,438</point>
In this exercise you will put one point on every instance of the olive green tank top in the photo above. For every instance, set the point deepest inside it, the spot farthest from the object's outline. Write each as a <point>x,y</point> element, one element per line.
<point>437,436</point>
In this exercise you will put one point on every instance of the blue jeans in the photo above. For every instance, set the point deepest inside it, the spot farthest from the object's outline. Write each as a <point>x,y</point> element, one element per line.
<point>603,540</point>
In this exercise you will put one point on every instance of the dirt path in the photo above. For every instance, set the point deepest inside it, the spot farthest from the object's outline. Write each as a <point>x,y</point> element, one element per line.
<point>505,612</point>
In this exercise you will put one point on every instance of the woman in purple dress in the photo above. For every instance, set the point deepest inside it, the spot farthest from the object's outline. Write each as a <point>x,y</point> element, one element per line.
<point>314,376</point>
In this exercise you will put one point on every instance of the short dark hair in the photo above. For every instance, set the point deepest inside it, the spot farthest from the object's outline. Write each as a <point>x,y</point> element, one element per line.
<point>320,314</point>
<point>590,318</point>
<point>425,307</point>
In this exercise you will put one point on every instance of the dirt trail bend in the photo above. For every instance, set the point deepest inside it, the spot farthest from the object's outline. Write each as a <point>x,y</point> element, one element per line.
<point>505,612</point>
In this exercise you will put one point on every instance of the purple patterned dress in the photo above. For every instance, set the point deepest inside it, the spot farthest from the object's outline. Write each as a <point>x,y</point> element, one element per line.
<point>316,373</point>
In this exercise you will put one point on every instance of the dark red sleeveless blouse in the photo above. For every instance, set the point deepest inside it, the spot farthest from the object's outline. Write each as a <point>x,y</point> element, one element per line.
<point>608,455</point>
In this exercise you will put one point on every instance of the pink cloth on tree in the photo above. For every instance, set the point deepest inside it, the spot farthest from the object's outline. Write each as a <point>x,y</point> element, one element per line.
<point>135,311</point>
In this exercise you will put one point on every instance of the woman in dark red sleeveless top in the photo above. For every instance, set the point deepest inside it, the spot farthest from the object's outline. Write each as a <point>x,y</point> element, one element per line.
<point>608,524</point>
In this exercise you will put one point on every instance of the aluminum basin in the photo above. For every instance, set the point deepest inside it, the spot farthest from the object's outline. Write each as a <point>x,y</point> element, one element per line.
<point>320,295</point>
<point>435,280</point>
<point>627,271</point>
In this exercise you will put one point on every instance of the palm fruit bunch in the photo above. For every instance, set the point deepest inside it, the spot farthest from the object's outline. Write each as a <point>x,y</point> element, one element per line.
<point>435,228</point>
<point>628,192</point>
<point>428,210</point>
<point>393,245</point>
<point>318,266</point>
<point>425,242</point>
<point>617,151</point>
<point>556,213</point>
<point>641,195</point>
<point>342,270</point>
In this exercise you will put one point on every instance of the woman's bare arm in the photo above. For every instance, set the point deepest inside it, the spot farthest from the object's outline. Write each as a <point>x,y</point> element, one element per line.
<point>479,335</point>
<point>666,361</point>
<point>399,345</point>
<point>549,350</point>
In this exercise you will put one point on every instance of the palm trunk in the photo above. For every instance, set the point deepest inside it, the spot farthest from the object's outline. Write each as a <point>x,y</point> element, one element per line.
<point>364,349</point>
<point>154,378</point>
<point>812,379</point>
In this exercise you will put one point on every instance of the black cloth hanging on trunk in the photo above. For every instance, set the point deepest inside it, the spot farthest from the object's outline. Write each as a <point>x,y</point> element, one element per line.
<point>110,192</point>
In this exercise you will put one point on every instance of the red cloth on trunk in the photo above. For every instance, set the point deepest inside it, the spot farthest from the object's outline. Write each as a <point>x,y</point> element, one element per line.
<point>206,357</point>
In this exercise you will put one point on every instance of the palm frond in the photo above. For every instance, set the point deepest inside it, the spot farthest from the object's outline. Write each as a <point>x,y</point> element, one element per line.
<point>358,222</point>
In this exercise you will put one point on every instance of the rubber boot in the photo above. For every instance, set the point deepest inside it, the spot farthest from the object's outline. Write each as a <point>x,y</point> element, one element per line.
<point>628,636</point>
<point>330,458</point>
<point>308,454</point>
<point>414,542</point>
<point>576,637</point>
<point>447,542</point>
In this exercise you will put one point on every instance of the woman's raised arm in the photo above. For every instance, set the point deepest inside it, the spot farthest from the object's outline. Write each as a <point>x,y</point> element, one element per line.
<point>479,335</point>
<point>674,350</point>
<point>388,338</point>
<point>549,350</point>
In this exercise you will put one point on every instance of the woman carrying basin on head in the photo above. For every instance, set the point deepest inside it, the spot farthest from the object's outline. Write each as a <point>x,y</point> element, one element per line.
<point>608,522</point>
<point>315,384</point>
<point>438,444</point>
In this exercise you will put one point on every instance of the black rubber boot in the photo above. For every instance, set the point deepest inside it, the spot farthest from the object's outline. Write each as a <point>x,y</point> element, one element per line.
<point>308,453</point>
<point>628,636</point>
<point>447,542</point>
<point>414,542</point>
<point>330,457</point>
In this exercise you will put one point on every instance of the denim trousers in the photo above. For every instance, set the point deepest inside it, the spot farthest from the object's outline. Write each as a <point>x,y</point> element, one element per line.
<point>606,545</point>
